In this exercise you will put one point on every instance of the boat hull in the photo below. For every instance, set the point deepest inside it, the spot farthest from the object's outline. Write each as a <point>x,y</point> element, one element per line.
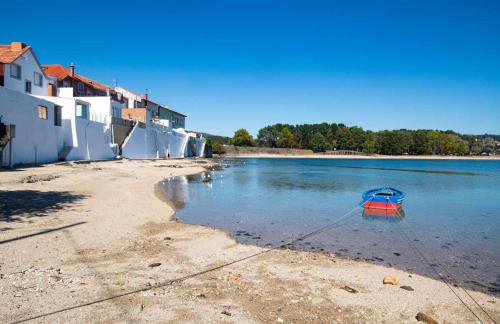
<point>381,205</point>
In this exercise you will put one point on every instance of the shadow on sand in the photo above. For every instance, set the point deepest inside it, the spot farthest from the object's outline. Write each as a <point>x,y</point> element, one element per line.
<point>21,205</point>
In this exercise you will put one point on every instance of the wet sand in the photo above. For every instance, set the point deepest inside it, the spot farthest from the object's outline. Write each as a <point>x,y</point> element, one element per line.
<point>73,234</point>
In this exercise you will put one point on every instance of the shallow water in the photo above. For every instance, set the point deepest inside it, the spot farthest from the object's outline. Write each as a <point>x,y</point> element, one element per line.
<point>451,213</point>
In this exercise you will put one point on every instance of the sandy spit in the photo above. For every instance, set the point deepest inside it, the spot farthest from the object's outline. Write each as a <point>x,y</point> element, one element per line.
<point>365,157</point>
<point>73,234</point>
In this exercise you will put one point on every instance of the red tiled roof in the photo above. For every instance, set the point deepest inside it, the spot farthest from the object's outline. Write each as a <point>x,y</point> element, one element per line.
<point>61,73</point>
<point>8,55</point>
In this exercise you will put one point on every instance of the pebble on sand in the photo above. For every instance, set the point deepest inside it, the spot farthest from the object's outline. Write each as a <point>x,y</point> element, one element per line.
<point>421,317</point>
<point>154,264</point>
<point>409,288</point>
<point>391,280</point>
<point>349,289</point>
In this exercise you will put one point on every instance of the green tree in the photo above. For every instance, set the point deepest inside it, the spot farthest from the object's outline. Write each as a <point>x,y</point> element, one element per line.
<point>401,141</point>
<point>421,143</point>
<point>242,138</point>
<point>268,136</point>
<point>209,146</point>
<point>343,138</point>
<point>370,145</point>
<point>463,148</point>
<point>218,149</point>
<point>286,138</point>
<point>318,143</point>
<point>437,141</point>
<point>358,137</point>
<point>391,142</point>
<point>489,145</point>
<point>476,147</point>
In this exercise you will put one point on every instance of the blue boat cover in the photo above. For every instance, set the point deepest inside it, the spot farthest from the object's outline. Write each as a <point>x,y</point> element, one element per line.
<point>384,195</point>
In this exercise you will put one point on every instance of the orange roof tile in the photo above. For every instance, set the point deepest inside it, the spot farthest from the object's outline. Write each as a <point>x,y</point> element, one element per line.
<point>8,54</point>
<point>61,72</point>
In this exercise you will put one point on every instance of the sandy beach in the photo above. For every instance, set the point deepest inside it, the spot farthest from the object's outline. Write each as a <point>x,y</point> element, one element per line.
<point>97,242</point>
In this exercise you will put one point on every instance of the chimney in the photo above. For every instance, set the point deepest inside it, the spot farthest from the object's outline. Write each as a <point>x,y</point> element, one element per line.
<point>72,68</point>
<point>17,46</point>
<point>146,94</point>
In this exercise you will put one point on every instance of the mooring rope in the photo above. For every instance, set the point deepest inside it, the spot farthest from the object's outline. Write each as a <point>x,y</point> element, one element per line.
<point>424,260</point>
<point>184,278</point>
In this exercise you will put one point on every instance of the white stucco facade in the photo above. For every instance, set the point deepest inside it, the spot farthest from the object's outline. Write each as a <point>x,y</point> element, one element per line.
<point>90,140</point>
<point>177,143</point>
<point>31,71</point>
<point>147,143</point>
<point>134,99</point>
<point>200,147</point>
<point>85,137</point>
<point>36,140</point>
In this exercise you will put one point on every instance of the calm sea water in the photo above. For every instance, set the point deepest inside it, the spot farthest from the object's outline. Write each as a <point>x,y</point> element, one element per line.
<point>451,213</point>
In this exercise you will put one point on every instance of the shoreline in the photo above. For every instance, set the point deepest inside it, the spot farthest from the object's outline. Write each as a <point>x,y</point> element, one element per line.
<point>365,157</point>
<point>113,250</point>
<point>372,260</point>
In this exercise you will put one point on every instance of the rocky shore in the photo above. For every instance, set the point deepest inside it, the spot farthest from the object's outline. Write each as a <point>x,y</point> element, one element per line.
<point>97,242</point>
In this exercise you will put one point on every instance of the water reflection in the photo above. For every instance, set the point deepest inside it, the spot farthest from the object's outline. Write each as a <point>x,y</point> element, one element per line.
<point>288,183</point>
<point>176,189</point>
<point>390,215</point>
<point>420,171</point>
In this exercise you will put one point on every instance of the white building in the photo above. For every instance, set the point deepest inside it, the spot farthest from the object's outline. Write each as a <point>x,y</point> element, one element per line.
<point>20,71</point>
<point>60,115</point>
<point>38,123</point>
<point>86,125</point>
<point>162,126</point>
<point>38,129</point>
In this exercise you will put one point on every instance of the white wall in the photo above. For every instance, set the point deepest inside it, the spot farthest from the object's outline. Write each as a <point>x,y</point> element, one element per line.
<point>92,140</point>
<point>158,132</point>
<point>36,139</point>
<point>29,65</point>
<point>200,147</point>
<point>129,95</point>
<point>135,146</point>
<point>177,142</point>
<point>147,143</point>
<point>88,139</point>
<point>65,92</point>
<point>100,108</point>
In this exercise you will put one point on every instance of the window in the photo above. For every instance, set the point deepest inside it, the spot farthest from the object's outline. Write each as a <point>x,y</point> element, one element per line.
<point>80,88</point>
<point>42,112</point>
<point>27,86</point>
<point>52,90</point>
<point>57,115</point>
<point>15,71</point>
<point>38,79</point>
<point>82,111</point>
<point>117,112</point>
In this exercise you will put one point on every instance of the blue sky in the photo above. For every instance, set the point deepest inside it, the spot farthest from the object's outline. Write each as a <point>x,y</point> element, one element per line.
<point>231,64</point>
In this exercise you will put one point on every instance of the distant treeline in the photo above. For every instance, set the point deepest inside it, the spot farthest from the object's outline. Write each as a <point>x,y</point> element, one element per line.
<point>325,137</point>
